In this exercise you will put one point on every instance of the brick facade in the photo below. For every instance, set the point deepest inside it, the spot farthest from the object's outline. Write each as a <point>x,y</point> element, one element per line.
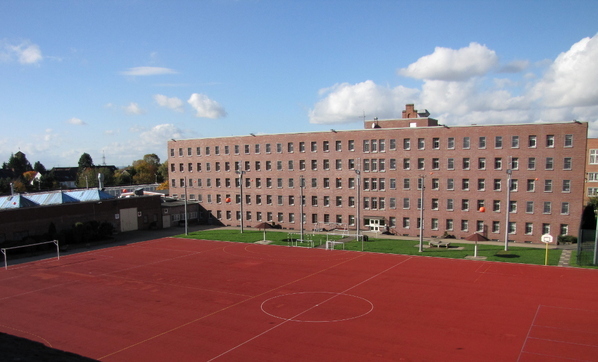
<point>591,177</point>
<point>18,224</point>
<point>463,168</point>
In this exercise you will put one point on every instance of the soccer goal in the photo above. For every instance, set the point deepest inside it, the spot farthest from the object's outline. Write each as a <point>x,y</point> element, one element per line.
<point>4,250</point>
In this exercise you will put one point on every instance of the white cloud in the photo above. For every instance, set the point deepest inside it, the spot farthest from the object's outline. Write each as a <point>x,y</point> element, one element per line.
<point>453,65</point>
<point>571,80</point>
<point>455,88</point>
<point>76,121</point>
<point>145,71</point>
<point>462,98</point>
<point>133,108</point>
<point>160,134</point>
<point>346,103</point>
<point>173,103</point>
<point>206,107</point>
<point>24,53</point>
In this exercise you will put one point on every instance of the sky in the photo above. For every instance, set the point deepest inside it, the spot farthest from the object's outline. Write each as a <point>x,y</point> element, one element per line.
<point>118,79</point>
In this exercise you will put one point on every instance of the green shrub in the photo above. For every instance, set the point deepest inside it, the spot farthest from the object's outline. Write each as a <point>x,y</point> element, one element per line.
<point>567,239</point>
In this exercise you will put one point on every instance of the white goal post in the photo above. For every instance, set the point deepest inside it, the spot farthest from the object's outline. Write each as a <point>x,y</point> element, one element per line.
<point>3,250</point>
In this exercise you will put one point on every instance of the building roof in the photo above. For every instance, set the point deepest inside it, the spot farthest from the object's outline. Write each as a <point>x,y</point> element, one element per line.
<point>65,173</point>
<point>55,198</point>
<point>52,198</point>
<point>90,195</point>
<point>15,202</point>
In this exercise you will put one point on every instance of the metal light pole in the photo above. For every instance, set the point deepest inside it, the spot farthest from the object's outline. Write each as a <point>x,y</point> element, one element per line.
<point>186,227</point>
<point>358,172</point>
<point>421,215</point>
<point>595,261</point>
<point>241,173</point>
<point>301,186</point>
<point>507,208</point>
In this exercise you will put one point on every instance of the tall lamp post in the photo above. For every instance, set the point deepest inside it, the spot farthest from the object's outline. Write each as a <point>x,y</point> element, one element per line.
<point>421,214</point>
<point>595,261</point>
<point>508,208</point>
<point>241,173</point>
<point>186,227</point>
<point>358,172</point>
<point>301,186</point>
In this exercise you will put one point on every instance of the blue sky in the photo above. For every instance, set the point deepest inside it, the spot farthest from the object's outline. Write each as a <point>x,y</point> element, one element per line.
<point>120,78</point>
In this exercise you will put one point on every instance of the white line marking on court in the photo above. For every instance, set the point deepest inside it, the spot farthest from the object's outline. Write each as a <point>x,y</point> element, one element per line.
<point>305,311</point>
<point>529,331</point>
<point>228,307</point>
<point>335,294</point>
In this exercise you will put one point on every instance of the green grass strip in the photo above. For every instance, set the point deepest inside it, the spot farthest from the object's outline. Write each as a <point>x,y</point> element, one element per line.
<point>525,255</point>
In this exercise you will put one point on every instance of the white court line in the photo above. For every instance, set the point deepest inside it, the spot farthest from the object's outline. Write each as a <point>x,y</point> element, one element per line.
<point>534,325</point>
<point>529,332</point>
<point>307,310</point>
<point>322,321</point>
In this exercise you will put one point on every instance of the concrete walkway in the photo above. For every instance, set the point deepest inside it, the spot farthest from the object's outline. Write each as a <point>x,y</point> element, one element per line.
<point>566,254</point>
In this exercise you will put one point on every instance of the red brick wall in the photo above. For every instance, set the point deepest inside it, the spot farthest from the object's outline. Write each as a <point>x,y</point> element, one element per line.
<point>33,221</point>
<point>575,176</point>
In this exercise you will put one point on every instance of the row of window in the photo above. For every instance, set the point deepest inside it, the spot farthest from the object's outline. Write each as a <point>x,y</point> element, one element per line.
<point>375,165</point>
<point>379,203</point>
<point>280,217</point>
<point>376,145</point>
<point>374,183</point>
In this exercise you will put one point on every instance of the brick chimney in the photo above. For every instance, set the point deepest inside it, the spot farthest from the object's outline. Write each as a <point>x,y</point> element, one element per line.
<point>409,111</point>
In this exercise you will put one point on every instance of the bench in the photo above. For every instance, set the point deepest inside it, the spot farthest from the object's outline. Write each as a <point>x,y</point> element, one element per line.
<point>330,244</point>
<point>439,244</point>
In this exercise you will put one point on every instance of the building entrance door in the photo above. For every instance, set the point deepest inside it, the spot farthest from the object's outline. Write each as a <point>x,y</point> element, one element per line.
<point>375,225</point>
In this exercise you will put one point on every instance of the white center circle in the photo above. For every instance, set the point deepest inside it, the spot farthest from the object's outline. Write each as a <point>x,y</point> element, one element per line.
<point>317,307</point>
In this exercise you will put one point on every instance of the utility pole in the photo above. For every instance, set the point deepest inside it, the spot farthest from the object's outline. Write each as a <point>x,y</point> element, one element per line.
<point>421,214</point>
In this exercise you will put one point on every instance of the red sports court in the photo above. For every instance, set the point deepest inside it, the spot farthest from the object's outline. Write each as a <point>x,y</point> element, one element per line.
<point>195,300</point>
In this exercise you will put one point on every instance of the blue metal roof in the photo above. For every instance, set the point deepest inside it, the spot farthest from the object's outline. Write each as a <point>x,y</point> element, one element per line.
<point>52,198</point>
<point>90,195</point>
<point>15,202</point>
<point>55,198</point>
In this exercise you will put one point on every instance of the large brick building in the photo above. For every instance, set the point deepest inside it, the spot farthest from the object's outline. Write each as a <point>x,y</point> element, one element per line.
<point>465,171</point>
<point>591,189</point>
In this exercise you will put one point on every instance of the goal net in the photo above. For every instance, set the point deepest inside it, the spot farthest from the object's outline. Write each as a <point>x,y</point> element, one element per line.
<point>4,250</point>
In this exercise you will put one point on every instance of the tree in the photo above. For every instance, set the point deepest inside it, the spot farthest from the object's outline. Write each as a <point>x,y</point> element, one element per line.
<point>152,158</point>
<point>39,168</point>
<point>85,161</point>
<point>48,181</point>
<point>163,172</point>
<point>108,175</point>
<point>19,186</point>
<point>89,177</point>
<point>163,186</point>
<point>18,164</point>
<point>122,177</point>
<point>146,170</point>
